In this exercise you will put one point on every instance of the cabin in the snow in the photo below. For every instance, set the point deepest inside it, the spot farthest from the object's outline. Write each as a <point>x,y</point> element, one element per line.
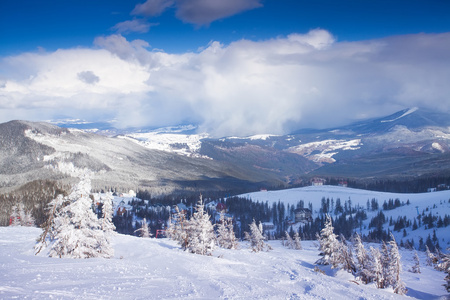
<point>303,215</point>
<point>316,181</point>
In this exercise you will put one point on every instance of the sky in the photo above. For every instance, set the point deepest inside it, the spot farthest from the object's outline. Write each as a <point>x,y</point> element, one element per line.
<point>235,67</point>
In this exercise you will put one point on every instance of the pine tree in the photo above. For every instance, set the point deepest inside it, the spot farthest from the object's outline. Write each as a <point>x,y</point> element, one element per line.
<point>225,233</point>
<point>375,269</point>
<point>346,256</point>
<point>329,245</point>
<point>416,267</point>
<point>48,234</point>
<point>200,232</point>
<point>107,214</point>
<point>256,238</point>
<point>396,268</point>
<point>289,243</point>
<point>177,229</point>
<point>362,260</point>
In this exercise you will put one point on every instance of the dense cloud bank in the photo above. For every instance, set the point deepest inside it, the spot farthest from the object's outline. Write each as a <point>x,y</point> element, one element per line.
<point>246,87</point>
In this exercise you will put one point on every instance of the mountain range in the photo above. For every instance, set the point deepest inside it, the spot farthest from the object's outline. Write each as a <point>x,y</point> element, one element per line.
<point>407,144</point>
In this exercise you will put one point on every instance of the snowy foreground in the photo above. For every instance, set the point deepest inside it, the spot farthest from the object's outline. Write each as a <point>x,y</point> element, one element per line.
<point>158,269</point>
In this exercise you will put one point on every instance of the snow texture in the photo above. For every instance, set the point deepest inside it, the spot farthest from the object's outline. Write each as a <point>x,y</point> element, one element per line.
<point>159,269</point>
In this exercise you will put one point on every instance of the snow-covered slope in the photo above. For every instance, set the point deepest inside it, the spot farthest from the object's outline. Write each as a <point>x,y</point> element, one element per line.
<point>158,269</point>
<point>438,203</point>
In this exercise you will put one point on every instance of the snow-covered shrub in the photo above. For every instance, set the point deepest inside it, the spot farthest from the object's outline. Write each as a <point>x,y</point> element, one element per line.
<point>225,234</point>
<point>416,267</point>
<point>144,230</point>
<point>292,243</point>
<point>256,238</point>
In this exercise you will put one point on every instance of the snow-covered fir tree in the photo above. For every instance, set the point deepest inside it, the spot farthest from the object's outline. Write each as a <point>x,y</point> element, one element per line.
<point>76,230</point>
<point>177,228</point>
<point>346,256</point>
<point>54,208</point>
<point>225,233</point>
<point>144,230</point>
<point>200,232</point>
<point>362,260</point>
<point>297,242</point>
<point>288,241</point>
<point>107,214</point>
<point>256,238</point>
<point>374,269</point>
<point>329,245</point>
<point>416,267</point>
<point>395,268</point>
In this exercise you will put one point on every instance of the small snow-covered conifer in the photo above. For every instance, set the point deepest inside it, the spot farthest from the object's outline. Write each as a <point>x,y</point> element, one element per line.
<point>289,243</point>
<point>329,245</point>
<point>416,267</point>
<point>177,228</point>
<point>362,260</point>
<point>200,232</point>
<point>144,231</point>
<point>107,215</point>
<point>225,233</point>
<point>374,270</point>
<point>256,238</point>
<point>396,268</point>
<point>297,242</point>
<point>346,256</point>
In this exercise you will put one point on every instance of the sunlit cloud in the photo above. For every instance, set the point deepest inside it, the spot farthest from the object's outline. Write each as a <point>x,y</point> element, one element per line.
<point>246,87</point>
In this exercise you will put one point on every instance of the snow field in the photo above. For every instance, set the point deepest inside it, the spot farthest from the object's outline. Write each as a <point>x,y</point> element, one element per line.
<point>159,269</point>
<point>419,201</point>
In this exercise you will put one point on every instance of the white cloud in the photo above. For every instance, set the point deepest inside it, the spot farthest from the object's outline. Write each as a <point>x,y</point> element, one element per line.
<point>199,12</point>
<point>246,87</point>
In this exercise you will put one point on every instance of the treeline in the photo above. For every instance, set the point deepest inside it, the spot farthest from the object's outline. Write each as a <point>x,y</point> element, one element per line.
<point>34,196</point>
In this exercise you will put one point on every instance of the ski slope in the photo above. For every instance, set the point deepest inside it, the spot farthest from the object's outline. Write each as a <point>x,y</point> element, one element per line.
<point>158,269</point>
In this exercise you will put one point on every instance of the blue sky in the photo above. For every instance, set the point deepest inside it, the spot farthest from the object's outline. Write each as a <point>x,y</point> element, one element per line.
<point>251,64</point>
<point>26,25</point>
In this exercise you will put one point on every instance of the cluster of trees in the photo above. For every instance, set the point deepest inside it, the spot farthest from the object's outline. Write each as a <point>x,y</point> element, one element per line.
<point>21,217</point>
<point>198,235</point>
<point>441,262</point>
<point>73,230</point>
<point>33,196</point>
<point>380,266</point>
